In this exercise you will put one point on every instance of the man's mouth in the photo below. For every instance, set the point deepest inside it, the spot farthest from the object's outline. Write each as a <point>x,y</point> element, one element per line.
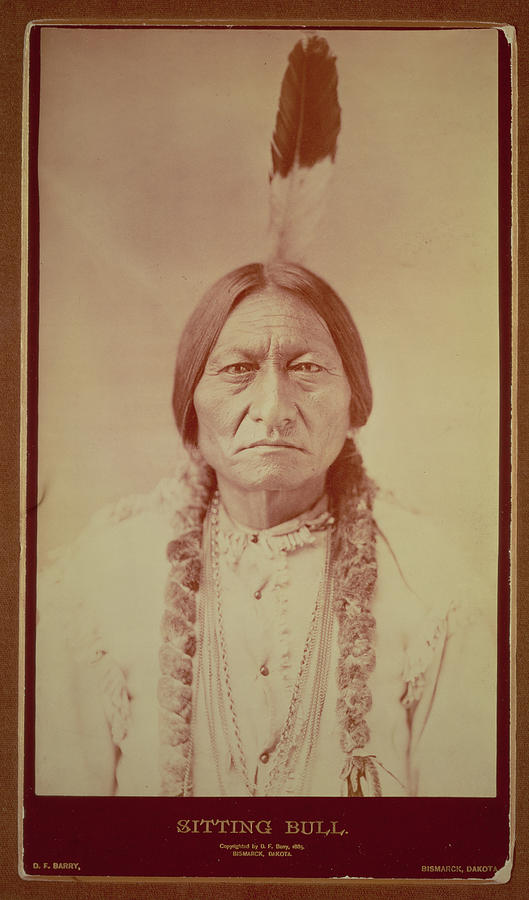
<point>278,445</point>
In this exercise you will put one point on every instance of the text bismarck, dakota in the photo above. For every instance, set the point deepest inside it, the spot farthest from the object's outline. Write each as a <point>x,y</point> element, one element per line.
<point>457,869</point>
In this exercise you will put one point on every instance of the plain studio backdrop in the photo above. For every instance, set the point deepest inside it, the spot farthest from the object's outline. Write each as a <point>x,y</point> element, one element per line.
<point>154,159</point>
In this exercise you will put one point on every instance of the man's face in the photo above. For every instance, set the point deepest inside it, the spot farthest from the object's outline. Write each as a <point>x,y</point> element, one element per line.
<point>273,402</point>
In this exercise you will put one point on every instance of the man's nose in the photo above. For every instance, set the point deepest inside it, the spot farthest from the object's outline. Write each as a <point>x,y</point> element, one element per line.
<point>272,398</point>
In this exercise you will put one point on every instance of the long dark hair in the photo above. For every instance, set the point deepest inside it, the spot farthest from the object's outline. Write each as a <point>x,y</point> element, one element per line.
<point>205,324</point>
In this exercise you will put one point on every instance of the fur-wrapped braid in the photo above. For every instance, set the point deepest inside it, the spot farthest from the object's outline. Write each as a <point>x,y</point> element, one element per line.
<point>178,630</point>
<point>354,573</point>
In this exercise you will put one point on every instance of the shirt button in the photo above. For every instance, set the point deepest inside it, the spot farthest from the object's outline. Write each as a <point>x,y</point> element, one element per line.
<point>254,538</point>
<point>258,595</point>
<point>264,757</point>
<point>264,670</point>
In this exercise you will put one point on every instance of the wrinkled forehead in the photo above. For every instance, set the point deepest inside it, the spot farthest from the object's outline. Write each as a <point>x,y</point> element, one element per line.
<point>275,318</point>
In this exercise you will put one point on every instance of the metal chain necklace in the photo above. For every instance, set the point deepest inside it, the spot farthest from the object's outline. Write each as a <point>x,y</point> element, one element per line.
<point>292,754</point>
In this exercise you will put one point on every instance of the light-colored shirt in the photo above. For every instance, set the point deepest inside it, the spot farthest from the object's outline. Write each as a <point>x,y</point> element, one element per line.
<point>97,663</point>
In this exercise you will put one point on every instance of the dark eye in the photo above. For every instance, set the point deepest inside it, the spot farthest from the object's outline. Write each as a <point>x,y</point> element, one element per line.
<point>240,368</point>
<point>308,367</point>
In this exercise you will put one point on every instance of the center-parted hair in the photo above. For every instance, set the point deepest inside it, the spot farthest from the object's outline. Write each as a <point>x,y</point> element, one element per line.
<point>206,322</point>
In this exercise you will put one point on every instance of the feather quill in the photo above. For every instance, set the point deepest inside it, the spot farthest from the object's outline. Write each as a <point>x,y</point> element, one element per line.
<point>303,148</point>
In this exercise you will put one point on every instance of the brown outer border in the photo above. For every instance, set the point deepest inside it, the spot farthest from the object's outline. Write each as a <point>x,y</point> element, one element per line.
<point>15,15</point>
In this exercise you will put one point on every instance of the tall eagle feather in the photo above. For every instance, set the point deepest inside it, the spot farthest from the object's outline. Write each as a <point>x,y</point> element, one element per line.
<point>303,147</point>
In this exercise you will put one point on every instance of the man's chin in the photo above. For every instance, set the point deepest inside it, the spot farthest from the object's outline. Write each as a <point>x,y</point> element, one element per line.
<point>272,477</point>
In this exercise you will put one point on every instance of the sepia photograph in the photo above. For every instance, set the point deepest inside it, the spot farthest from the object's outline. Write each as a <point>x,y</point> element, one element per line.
<point>268,429</point>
